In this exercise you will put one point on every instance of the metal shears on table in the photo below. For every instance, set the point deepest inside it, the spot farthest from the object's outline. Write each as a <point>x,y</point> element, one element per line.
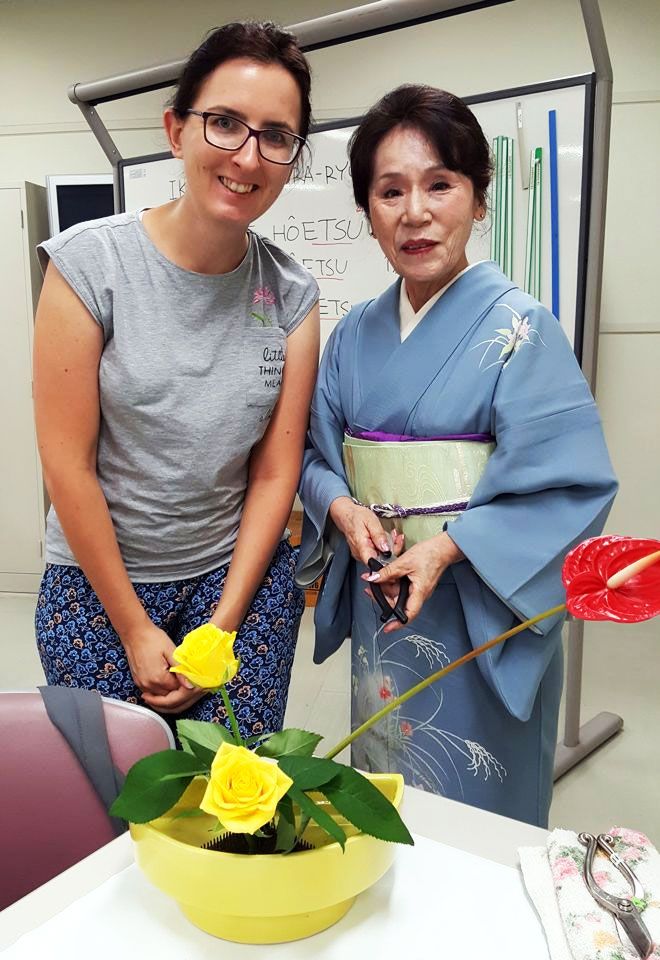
<point>387,610</point>
<point>625,910</point>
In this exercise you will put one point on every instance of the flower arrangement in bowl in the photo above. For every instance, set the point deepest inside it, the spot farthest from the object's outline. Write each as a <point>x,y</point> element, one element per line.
<point>207,819</point>
<point>261,841</point>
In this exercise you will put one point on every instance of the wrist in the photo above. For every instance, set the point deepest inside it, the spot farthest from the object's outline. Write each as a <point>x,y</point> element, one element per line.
<point>339,508</point>
<point>129,627</point>
<point>226,619</point>
<point>453,552</point>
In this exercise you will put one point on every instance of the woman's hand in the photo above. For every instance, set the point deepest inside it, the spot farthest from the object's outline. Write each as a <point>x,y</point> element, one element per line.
<point>149,651</point>
<point>423,564</point>
<point>362,530</point>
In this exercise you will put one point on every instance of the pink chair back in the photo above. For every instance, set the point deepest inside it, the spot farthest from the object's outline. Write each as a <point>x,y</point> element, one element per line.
<point>50,815</point>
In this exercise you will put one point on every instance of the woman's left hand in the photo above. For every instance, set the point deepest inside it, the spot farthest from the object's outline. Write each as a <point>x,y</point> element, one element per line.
<point>423,564</point>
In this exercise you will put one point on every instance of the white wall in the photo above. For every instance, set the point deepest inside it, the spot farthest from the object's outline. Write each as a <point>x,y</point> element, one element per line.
<point>46,45</point>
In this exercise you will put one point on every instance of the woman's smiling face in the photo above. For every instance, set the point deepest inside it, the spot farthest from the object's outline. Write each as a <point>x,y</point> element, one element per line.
<point>236,186</point>
<point>421,213</point>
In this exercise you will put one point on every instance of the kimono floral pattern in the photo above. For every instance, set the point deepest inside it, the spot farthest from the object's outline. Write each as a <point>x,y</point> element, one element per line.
<point>509,339</point>
<point>429,757</point>
<point>265,297</point>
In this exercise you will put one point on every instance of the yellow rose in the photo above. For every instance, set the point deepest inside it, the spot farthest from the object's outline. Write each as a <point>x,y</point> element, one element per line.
<point>206,657</point>
<point>244,789</point>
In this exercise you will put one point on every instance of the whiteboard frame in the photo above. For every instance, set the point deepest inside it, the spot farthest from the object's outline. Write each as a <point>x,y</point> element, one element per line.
<point>135,161</point>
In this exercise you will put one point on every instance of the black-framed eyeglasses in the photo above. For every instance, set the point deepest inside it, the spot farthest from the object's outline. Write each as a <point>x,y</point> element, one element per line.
<point>228,133</point>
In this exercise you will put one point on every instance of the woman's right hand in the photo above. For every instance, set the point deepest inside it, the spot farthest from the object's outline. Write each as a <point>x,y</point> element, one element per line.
<point>363,530</point>
<point>150,651</point>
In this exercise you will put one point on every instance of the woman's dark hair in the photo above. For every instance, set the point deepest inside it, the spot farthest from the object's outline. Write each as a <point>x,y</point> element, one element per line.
<point>264,42</point>
<point>443,118</point>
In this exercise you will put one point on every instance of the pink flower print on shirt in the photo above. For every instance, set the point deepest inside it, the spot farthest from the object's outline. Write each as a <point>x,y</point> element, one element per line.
<point>266,297</point>
<point>263,295</point>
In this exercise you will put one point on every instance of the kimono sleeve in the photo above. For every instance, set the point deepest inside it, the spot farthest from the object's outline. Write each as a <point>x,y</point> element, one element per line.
<point>323,550</point>
<point>548,485</point>
<point>323,478</point>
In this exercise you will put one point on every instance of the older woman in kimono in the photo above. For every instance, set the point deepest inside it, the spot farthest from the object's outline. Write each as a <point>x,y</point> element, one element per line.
<point>452,423</point>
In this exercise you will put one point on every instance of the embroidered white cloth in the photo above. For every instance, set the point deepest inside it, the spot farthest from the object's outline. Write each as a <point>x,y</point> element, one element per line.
<point>576,927</point>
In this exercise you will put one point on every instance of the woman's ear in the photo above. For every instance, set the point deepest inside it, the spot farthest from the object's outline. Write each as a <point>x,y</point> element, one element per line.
<point>365,214</point>
<point>173,128</point>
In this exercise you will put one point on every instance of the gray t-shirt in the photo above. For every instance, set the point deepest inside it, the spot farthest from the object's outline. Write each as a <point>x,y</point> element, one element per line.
<point>190,373</point>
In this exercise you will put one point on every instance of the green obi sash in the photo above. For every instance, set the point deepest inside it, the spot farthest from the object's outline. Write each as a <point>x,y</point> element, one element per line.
<point>414,487</point>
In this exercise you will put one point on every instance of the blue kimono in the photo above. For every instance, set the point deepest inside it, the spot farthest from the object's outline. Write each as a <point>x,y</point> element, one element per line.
<point>486,359</point>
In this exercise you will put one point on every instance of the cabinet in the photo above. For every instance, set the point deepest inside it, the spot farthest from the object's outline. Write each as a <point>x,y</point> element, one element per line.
<point>23,224</point>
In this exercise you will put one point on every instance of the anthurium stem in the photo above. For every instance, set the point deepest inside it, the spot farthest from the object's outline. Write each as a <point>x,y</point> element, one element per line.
<point>232,717</point>
<point>393,704</point>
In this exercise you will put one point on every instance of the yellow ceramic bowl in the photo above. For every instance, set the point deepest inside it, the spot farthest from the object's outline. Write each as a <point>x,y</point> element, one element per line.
<point>261,899</point>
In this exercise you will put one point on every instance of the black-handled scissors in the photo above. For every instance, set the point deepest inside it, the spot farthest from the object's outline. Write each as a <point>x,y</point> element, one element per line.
<point>387,610</point>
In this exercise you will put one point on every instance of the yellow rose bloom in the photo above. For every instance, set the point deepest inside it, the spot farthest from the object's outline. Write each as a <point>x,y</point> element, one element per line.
<point>244,789</point>
<point>206,657</point>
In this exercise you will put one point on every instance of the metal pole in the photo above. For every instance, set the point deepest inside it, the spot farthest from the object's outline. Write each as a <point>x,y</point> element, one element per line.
<point>312,34</point>
<point>580,741</point>
<point>600,163</point>
<point>377,17</point>
<point>107,144</point>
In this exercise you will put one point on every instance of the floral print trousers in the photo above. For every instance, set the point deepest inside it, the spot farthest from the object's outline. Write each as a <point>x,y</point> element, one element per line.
<point>79,647</point>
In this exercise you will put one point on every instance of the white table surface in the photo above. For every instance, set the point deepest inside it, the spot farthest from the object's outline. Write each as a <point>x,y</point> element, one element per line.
<point>456,825</point>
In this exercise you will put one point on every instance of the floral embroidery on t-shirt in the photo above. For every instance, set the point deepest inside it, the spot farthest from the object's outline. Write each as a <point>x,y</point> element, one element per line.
<point>265,296</point>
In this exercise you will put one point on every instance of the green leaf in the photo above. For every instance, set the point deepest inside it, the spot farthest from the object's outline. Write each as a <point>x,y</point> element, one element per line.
<point>147,793</point>
<point>200,771</point>
<point>364,805</point>
<point>286,825</point>
<point>309,773</point>
<point>203,739</point>
<point>289,743</point>
<point>323,819</point>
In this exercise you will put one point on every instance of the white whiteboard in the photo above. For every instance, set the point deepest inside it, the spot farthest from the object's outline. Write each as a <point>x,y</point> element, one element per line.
<point>316,221</point>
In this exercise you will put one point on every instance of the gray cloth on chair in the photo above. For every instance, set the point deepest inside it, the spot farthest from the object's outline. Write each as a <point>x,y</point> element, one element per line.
<point>78,715</point>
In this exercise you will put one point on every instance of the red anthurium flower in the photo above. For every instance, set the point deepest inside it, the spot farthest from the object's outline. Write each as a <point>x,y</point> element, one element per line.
<point>606,578</point>
<point>613,578</point>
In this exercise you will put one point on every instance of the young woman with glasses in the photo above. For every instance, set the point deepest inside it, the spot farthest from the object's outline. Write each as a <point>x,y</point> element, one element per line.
<point>175,356</point>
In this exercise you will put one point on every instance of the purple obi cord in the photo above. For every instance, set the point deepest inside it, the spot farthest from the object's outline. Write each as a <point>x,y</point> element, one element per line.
<point>393,511</point>
<point>379,437</point>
